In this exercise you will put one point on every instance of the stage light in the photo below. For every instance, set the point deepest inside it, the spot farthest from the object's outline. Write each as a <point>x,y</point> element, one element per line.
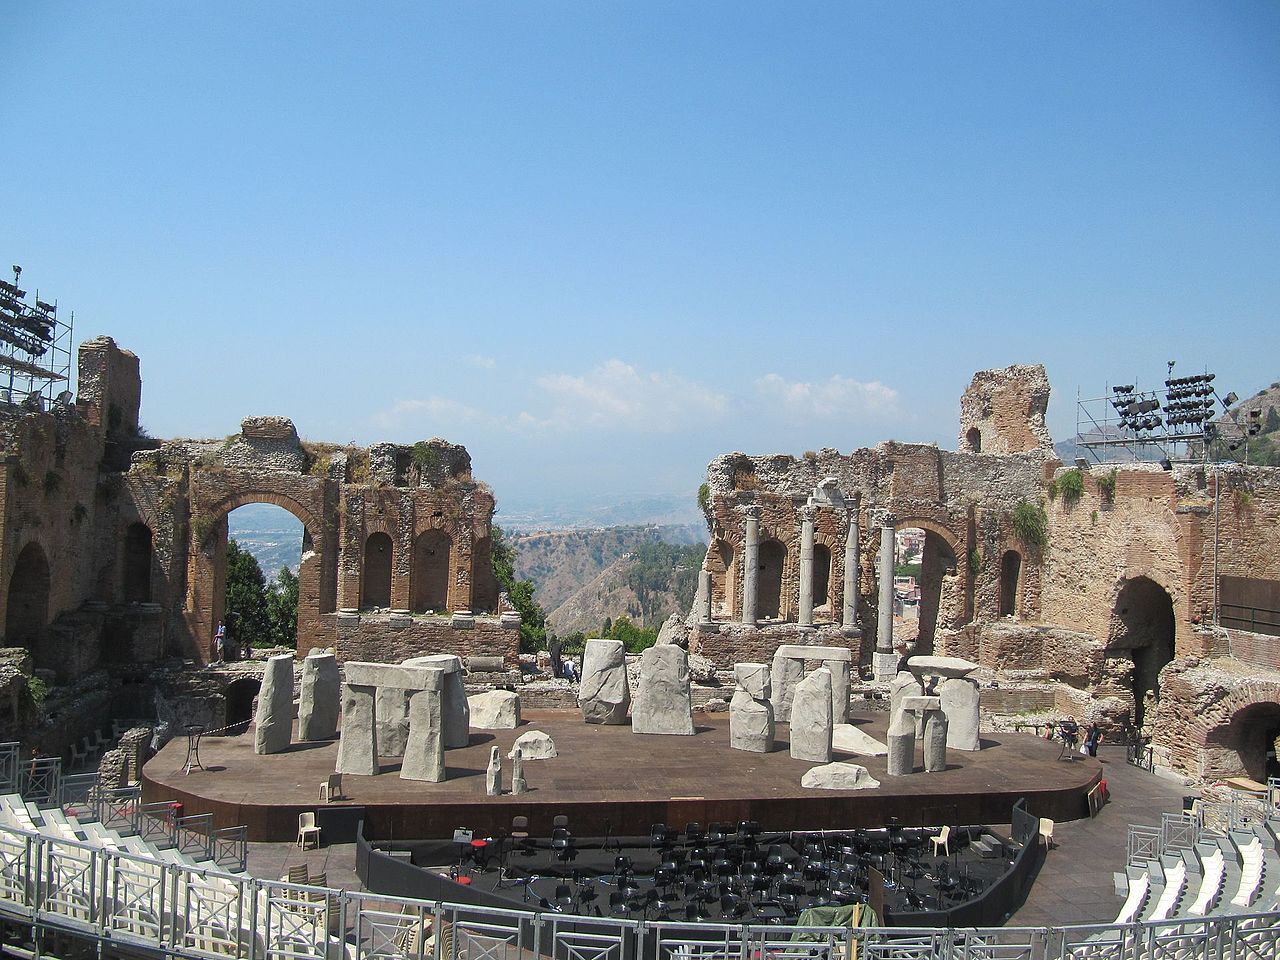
<point>1082,463</point>
<point>1229,399</point>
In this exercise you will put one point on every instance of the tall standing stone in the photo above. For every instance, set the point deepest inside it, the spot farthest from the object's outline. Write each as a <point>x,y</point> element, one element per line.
<point>751,725</point>
<point>840,670</point>
<point>393,720</point>
<point>961,703</point>
<point>902,743</point>
<point>603,693</point>
<point>703,600</point>
<point>663,701</point>
<point>457,712</point>
<point>935,740</point>
<point>358,747</point>
<point>786,673</point>
<point>493,774</point>
<point>518,784</point>
<point>900,687</point>
<point>320,697</point>
<point>424,748</point>
<point>811,718</point>
<point>273,723</point>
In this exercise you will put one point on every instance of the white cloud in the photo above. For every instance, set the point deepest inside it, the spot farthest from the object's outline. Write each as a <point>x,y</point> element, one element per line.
<point>833,398</point>
<point>441,411</point>
<point>617,394</point>
<point>481,361</point>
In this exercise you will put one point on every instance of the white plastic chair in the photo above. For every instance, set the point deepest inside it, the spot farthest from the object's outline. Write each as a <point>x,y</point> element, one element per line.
<point>307,829</point>
<point>943,840</point>
<point>331,789</point>
<point>1046,831</point>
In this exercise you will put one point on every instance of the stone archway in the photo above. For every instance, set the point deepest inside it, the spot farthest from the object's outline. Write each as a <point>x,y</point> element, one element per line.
<point>1142,632</point>
<point>429,578</point>
<point>1010,575</point>
<point>239,697</point>
<point>720,564</point>
<point>943,592</point>
<point>207,584</point>
<point>821,578</point>
<point>27,611</point>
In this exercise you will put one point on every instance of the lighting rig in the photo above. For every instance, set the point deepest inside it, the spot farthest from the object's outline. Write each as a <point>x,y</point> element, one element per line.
<point>1179,428</point>
<point>35,346</point>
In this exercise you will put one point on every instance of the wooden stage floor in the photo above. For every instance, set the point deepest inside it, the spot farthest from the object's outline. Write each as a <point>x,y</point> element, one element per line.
<point>608,776</point>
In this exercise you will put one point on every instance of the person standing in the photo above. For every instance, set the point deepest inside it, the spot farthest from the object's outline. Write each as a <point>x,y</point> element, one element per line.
<point>219,642</point>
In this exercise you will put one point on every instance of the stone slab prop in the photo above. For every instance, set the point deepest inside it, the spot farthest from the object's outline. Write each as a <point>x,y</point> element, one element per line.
<point>839,776</point>
<point>751,724</point>
<point>901,743</point>
<point>788,668</point>
<point>663,704</point>
<point>457,712</point>
<point>495,710</point>
<point>424,748</point>
<point>903,685</point>
<point>811,718</point>
<point>961,702</point>
<point>392,706</point>
<point>847,738</point>
<point>785,673</point>
<point>935,741</point>
<point>273,723</point>
<point>534,745</point>
<point>518,783</point>
<point>320,697</point>
<point>493,774</point>
<point>603,694</point>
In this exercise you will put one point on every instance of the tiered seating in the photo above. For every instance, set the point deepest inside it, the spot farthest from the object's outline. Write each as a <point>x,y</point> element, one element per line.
<point>1251,859</point>
<point>1213,867</point>
<point>1139,886</point>
<point>1175,885</point>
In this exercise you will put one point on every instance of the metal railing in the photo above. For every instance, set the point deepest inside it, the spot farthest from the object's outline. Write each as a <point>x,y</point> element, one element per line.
<point>10,753</point>
<point>54,887</point>
<point>41,777</point>
<point>231,847</point>
<point>1177,832</point>
<point>1250,618</point>
<point>158,823</point>
<point>119,808</point>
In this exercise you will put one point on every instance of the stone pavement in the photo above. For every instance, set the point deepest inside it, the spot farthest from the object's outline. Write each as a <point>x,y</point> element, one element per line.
<point>1074,884</point>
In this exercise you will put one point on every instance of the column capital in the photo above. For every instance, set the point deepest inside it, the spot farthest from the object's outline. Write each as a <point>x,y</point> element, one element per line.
<point>808,513</point>
<point>750,511</point>
<point>887,518</point>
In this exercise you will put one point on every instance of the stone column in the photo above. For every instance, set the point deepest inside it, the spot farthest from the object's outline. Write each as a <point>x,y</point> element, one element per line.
<point>885,663</point>
<point>704,596</point>
<point>750,563</point>
<point>806,566</point>
<point>852,572</point>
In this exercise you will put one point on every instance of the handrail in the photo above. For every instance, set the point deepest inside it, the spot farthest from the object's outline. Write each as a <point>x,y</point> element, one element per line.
<point>108,896</point>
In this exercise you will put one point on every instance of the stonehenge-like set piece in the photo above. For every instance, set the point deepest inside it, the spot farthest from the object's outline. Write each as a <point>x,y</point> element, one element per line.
<point>811,718</point>
<point>603,693</point>
<point>273,722</point>
<point>948,679</point>
<point>751,725</point>
<point>927,712</point>
<point>320,696</point>
<point>788,669</point>
<point>457,713</point>
<point>663,702</point>
<point>495,710</point>
<point>424,743</point>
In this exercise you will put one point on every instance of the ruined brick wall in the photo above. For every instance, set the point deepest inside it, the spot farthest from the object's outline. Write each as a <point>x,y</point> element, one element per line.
<point>109,386</point>
<point>731,643</point>
<point>381,638</point>
<point>1003,411</point>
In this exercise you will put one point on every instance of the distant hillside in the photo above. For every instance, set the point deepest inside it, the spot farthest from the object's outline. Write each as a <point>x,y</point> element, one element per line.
<point>561,562</point>
<point>272,534</point>
<point>520,515</point>
<point>647,584</point>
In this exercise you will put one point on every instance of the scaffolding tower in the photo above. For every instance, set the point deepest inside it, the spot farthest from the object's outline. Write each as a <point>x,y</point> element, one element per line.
<point>35,347</point>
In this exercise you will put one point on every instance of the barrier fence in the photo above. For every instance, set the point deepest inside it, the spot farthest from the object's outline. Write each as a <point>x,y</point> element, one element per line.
<point>54,892</point>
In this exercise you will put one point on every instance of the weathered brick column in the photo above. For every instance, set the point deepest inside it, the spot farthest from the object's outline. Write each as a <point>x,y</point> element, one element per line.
<point>750,563</point>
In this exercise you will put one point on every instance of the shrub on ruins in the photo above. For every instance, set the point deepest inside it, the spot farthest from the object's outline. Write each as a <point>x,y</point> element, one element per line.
<point>247,616</point>
<point>1070,485</point>
<point>634,639</point>
<point>533,619</point>
<point>1030,524</point>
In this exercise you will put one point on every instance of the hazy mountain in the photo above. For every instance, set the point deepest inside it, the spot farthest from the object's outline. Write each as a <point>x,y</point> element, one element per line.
<point>272,534</point>
<point>647,584</point>
<point>560,562</point>
<point>518,515</point>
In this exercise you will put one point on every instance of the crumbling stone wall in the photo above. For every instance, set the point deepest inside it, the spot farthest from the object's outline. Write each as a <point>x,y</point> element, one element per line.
<point>1003,411</point>
<point>393,638</point>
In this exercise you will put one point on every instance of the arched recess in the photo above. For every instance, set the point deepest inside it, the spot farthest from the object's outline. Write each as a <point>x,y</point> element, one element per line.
<point>973,440</point>
<point>207,586</point>
<point>429,579</point>
<point>1142,630</point>
<point>720,564</point>
<point>943,592</point>
<point>772,559</point>
<point>136,564</point>
<point>27,611</point>
<point>375,581</point>
<point>240,696</point>
<point>1010,574</point>
<point>484,585</point>
<point>821,577</point>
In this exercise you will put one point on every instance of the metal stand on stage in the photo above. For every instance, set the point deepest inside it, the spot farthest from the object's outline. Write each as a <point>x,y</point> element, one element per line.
<point>194,731</point>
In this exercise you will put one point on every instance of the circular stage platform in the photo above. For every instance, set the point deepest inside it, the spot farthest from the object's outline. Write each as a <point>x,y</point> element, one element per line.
<point>606,777</point>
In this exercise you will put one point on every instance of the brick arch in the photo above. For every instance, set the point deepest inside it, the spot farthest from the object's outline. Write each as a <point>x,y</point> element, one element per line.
<point>1210,734</point>
<point>314,525</point>
<point>952,539</point>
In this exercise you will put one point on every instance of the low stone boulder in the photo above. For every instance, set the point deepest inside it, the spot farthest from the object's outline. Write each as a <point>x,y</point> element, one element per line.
<point>495,710</point>
<point>701,670</point>
<point>839,776</point>
<point>674,631</point>
<point>534,745</point>
<point>846,738</point>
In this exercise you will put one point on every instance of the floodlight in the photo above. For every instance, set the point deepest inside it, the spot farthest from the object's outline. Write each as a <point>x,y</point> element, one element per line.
<point>1082,463</point>
<point>1229,399</point>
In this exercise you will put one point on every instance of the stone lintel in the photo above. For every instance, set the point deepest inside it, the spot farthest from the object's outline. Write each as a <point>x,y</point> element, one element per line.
<point>921,704</point>
<point>799,651</point>
<point>445,662</point>
<point>393,675</point>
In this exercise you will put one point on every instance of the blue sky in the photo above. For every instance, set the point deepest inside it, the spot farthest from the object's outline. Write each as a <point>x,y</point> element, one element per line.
<point>601,243</point>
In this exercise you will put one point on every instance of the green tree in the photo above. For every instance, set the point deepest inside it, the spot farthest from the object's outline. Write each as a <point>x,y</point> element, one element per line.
<point>248,620</point>
<point>634,639</point>
<point>533,619</point>
<point>282,608</point>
